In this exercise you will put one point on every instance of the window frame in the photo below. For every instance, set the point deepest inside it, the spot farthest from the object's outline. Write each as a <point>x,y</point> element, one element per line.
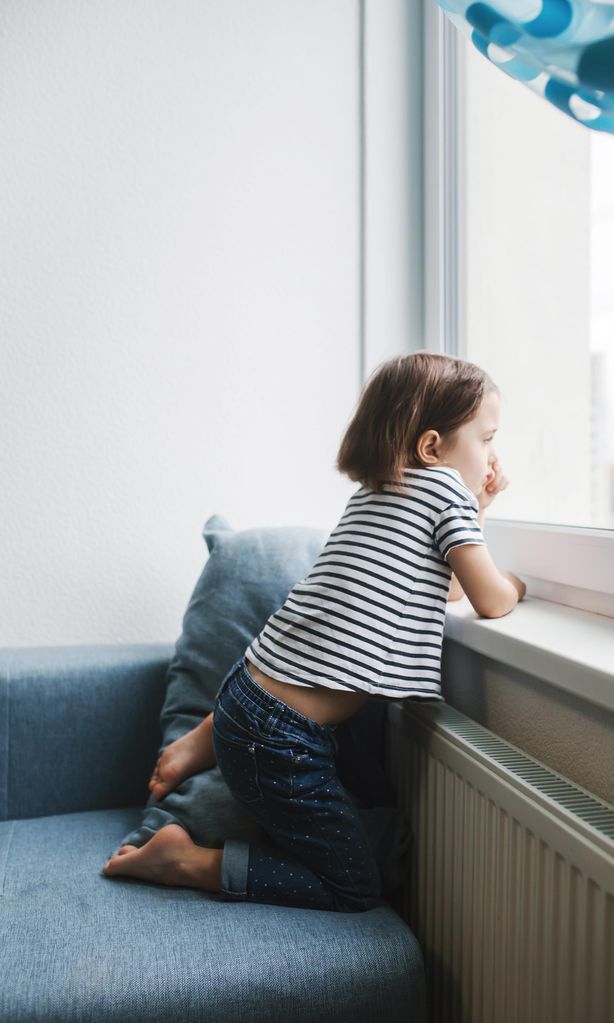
<point>571,565</point>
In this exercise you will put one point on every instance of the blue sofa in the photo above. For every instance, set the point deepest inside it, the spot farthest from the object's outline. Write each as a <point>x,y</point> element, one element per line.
<point>79,732</point>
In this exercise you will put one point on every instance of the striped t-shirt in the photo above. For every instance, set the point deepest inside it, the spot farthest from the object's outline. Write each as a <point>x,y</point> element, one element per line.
<point>370,615</point>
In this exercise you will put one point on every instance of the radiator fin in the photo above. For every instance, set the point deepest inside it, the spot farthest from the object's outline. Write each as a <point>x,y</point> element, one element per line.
<point>511,885</point>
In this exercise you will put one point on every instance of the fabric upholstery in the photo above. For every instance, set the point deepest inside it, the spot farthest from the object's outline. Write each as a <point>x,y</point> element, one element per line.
<point>75,945</point>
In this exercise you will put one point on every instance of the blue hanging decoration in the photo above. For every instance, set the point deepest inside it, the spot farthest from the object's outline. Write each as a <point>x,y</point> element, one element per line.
<point>561,49</point>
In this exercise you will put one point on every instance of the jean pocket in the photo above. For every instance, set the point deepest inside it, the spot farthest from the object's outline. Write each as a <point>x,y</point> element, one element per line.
<point>237,760</point>
<point>312,769</point>
<point>233,720</point>
<point>291,771</point>
<point>285,725</point>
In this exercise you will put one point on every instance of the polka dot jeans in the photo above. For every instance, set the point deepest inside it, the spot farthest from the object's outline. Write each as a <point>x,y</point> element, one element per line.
<point>281,764</point>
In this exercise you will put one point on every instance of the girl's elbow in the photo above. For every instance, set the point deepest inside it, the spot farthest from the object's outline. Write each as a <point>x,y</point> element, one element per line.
<point>499,610</point>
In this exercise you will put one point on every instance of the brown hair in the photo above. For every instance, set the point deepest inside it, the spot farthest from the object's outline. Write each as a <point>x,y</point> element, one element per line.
<point>402,398</point>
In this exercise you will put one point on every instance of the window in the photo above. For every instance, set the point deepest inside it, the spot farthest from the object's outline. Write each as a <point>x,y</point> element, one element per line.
<point>520,212</point>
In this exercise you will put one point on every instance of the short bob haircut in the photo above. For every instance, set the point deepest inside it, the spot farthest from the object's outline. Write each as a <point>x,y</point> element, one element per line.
<point>403,398</point>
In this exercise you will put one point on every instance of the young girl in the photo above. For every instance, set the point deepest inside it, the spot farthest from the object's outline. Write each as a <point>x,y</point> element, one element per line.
<point>368,619</point>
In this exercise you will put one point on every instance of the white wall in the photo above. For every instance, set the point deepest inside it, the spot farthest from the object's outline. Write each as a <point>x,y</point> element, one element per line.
<point>182,319</point>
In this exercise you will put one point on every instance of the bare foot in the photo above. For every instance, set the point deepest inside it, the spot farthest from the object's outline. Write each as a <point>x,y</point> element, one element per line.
<point>192,753</point>
<point>169,857</point>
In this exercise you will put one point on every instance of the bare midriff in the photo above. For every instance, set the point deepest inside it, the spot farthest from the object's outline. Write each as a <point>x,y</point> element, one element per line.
<point>325,706</point>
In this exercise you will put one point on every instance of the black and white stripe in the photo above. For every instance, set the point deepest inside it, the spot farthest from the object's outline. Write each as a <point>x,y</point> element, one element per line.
<point>370,615</point>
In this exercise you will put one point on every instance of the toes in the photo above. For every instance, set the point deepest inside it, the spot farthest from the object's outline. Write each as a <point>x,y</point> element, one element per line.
<point>120,860</point>
<point>116,865</point>
<point>110,866</point>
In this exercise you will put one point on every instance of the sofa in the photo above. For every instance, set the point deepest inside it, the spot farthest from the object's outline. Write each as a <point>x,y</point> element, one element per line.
<point>79,734</point>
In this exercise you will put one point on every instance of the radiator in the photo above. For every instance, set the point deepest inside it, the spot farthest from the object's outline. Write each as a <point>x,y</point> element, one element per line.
<point>511,884</point>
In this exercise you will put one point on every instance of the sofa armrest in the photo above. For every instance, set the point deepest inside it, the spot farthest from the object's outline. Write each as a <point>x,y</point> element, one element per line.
<point>79,726</point>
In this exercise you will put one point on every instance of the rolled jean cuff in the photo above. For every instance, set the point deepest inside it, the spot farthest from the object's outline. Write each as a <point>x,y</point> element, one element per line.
<point>234,867</point>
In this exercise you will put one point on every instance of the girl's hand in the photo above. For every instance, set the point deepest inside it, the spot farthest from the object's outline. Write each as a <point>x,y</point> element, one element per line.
<point>494,484</point>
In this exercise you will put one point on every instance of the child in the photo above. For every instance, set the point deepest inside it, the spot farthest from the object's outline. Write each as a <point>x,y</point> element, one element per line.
<point>368,619</point>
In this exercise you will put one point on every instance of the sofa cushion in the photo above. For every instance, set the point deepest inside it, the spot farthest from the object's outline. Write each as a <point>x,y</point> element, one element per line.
<point>247,577</point>
<point>75,945</point>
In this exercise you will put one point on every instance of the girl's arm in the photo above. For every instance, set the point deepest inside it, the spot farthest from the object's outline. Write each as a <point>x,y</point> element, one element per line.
<point>456,591</point>
<point>492,593</point>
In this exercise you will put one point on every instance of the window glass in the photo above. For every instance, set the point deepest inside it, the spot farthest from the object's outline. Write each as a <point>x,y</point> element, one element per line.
<point>537,294</point>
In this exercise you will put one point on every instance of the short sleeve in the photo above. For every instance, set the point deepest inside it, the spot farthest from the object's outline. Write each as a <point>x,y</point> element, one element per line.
<point>457,525</point>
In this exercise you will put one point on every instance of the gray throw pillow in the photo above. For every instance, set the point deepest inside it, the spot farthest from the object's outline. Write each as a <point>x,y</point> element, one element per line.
<point>247,577</point>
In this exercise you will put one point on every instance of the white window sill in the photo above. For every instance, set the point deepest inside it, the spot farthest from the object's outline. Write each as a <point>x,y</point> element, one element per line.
<point>569,648</point>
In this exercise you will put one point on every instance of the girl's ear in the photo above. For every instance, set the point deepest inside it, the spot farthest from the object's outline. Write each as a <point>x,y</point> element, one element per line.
<point>429,446</point>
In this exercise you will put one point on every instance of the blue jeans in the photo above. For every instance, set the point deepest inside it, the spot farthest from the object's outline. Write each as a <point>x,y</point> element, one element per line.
<point>281,764</point>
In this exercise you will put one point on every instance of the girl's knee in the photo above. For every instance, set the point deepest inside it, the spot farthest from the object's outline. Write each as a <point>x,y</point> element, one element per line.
<point>358,904</point>
<point>364,893</point>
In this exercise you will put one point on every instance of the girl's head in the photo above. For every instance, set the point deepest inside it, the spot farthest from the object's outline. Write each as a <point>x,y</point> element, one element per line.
<point>420,410</point>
